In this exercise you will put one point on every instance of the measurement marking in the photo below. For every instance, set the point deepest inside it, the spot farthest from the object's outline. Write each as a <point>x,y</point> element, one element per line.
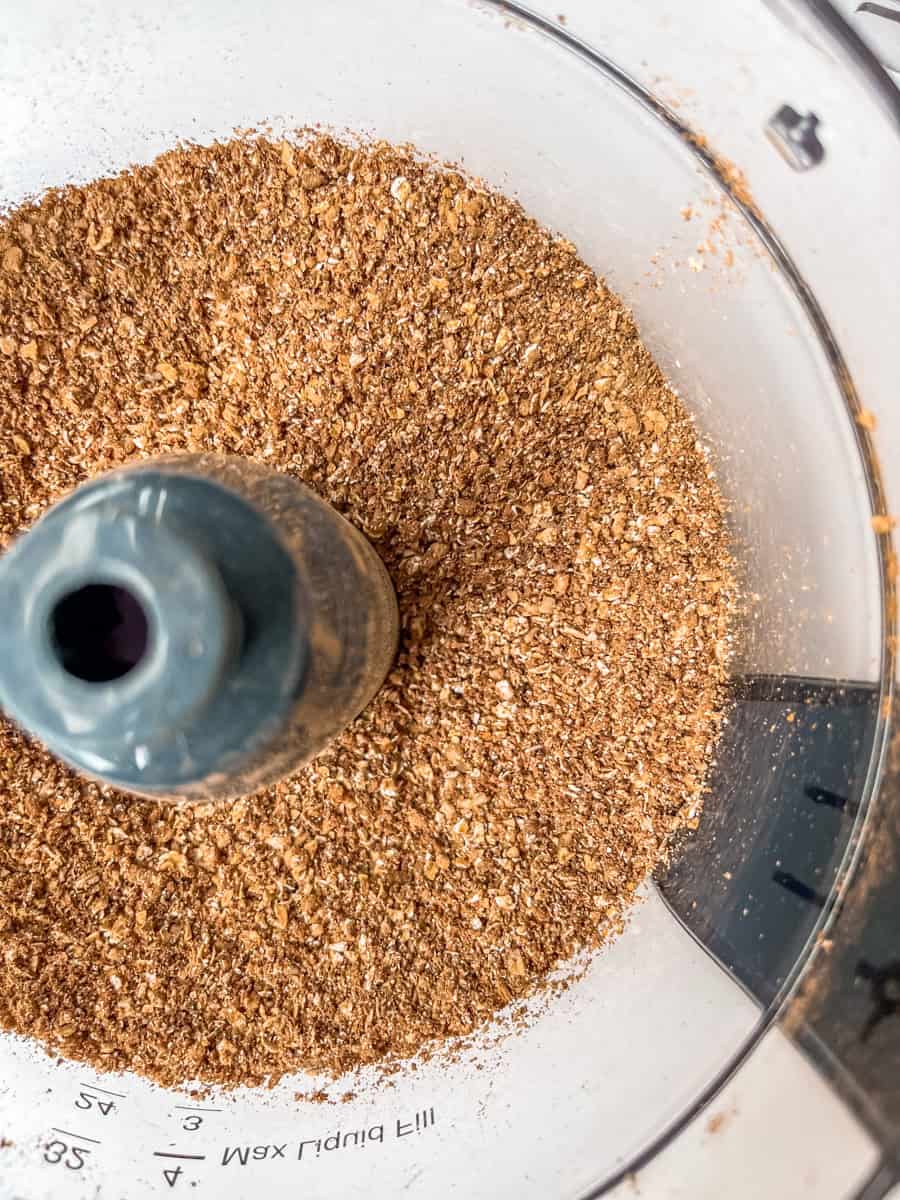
<point>163,1154</point>
<point>194,1108</point>
<point>76,1136</point>
<point>92,1087</point>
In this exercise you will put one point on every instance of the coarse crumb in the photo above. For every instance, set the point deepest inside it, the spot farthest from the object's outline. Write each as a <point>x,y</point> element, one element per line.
<point>717,1123</point>
<point>460,384</point>
<point>867,420</point>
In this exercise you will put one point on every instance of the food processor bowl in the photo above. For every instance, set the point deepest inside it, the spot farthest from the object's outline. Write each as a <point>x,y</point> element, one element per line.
<point>723,170</point>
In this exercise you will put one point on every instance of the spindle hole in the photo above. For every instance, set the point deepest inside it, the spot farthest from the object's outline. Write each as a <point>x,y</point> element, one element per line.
<point>100,632</point>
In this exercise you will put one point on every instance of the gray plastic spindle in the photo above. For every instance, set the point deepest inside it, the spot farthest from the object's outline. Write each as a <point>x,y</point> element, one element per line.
<point>192,628</point>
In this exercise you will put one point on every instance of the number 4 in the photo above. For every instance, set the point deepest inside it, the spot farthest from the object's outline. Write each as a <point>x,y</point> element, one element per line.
<point>171,1176</point>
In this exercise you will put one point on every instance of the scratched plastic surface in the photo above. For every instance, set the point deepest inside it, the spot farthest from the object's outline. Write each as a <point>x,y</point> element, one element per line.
<point>608,1069</point>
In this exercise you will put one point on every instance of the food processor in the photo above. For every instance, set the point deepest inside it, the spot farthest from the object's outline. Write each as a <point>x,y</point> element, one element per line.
<point>731,171</point>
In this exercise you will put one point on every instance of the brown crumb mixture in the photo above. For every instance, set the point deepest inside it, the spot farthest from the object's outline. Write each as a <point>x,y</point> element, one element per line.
<point>461,385</point>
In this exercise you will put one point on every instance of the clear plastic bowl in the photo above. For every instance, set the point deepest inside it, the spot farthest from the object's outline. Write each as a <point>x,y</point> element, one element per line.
<point>764,311</point>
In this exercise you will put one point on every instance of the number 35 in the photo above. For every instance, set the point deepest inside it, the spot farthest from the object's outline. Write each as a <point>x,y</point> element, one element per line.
<point>70,1157</point>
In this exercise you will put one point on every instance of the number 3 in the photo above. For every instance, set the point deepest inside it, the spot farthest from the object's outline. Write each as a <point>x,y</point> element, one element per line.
<point>55,1151</point>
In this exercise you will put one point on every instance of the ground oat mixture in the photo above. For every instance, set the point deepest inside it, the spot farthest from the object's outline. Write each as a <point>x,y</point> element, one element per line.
<point>460,385</point>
